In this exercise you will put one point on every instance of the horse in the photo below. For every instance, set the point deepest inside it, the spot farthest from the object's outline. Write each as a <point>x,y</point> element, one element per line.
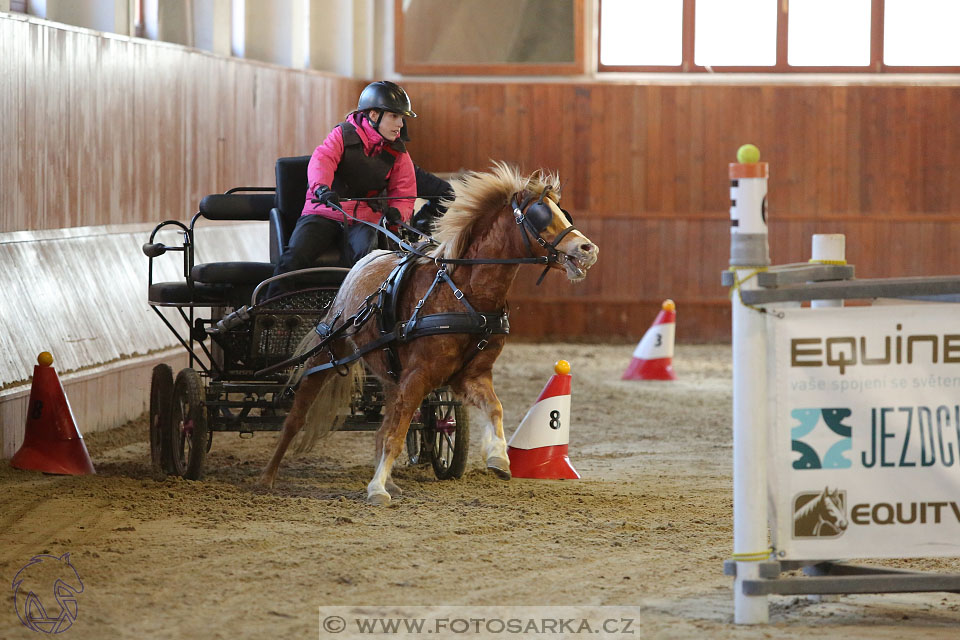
<point>824,512</point>
<point>497,221</point>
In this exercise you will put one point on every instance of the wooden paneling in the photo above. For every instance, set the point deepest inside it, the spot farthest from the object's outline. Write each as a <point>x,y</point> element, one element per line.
<point>645,176</point>
<point>106,130</point>
<point>119,131</point>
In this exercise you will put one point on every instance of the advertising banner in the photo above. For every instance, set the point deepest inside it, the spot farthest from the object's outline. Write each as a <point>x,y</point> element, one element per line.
<point>864,437</point>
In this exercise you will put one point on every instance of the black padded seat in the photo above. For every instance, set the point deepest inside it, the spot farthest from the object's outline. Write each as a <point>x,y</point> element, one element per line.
<point>238,206</point>
<point>230,206</point>
<point>232,272</point>
<point>292,188</point>
<point>179,294</point>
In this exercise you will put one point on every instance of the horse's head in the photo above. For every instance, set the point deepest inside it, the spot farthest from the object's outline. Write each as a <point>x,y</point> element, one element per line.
<point>548,231</point>
<point>834,502</point>
<point>534,229</point>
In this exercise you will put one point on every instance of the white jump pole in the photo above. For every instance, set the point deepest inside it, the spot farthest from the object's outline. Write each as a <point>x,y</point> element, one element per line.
<point>828,248</point>
<point>749,253</point>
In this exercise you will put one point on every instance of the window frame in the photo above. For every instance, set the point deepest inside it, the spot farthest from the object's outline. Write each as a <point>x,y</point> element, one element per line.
<point>783,17</point>
<point>518,69</point>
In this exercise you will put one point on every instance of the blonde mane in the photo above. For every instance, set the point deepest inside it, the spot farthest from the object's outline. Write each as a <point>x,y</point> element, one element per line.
<point>479,194</point>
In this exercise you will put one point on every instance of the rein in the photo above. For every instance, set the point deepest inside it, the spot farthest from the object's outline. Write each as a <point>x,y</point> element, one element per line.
<point>520,217</point>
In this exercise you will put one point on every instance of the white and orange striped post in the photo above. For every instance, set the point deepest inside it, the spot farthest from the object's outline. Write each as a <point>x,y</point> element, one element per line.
<point>749,254</point>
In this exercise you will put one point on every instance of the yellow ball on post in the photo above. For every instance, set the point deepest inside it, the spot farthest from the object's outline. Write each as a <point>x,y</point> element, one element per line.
<point>562,367</point>
<point>748,154</point>
<point>45,359</point>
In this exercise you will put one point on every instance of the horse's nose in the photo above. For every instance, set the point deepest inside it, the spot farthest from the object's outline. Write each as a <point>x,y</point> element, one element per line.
<point>588,248</point>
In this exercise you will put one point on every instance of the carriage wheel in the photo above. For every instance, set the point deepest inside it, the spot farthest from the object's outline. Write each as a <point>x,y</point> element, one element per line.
<point>447,430</point>
<point>419,451</point>
<point>161,397</point>
<point>189,430</point>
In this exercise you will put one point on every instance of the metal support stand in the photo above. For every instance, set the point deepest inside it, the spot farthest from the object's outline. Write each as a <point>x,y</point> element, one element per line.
<point>827,577</point>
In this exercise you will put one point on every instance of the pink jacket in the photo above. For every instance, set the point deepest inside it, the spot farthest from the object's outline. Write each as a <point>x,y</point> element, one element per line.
<point>401,181</point>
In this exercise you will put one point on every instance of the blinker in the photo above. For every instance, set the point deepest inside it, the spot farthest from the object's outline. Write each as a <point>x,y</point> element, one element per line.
<point>539,214</point>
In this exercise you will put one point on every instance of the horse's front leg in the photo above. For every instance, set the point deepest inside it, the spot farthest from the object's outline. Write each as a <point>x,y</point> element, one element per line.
<point>390,440</point>
<point>479,393</point>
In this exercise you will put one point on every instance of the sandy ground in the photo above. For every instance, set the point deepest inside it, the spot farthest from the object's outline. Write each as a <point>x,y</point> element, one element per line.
<point>643,533</point>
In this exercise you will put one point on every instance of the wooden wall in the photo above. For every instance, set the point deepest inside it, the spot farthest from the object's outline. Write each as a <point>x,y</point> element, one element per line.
<point>646,178</point>
<point>103,130</point>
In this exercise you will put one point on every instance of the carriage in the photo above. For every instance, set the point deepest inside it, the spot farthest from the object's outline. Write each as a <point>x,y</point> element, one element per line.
<point>238,339</point>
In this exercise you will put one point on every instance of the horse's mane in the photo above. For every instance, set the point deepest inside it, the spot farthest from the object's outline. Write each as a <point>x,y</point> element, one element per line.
<point>815,503</point>
<point>809,507</point>
<point>479,194</point>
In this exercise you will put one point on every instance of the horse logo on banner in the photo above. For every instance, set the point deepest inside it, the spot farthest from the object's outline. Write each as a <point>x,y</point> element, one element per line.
<point>820,514</point>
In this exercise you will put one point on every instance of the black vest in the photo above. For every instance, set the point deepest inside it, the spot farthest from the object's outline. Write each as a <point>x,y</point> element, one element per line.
<point>359,175</point>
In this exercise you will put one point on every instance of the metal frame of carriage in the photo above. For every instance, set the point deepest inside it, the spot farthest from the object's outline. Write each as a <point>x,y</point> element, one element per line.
<point>244,332</point>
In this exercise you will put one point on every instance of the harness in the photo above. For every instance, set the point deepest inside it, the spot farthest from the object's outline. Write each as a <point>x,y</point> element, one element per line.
<point>531,215</point>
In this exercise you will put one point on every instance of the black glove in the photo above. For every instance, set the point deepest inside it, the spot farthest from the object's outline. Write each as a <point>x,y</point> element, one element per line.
<point>326,196</point>
<point>423,220</point>
<point>392,214</point>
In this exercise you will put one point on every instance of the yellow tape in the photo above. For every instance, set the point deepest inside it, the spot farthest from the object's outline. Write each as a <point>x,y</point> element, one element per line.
<point>812,261</point>
<point>756,556</point>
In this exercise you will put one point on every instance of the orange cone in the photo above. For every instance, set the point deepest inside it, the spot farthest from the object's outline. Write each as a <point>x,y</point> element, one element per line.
<point>538,448</point>
<point>653,357</point>
<point>51,443</point>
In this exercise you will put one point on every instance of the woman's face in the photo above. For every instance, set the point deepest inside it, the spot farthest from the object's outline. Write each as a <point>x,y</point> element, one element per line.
<point>390,125</point>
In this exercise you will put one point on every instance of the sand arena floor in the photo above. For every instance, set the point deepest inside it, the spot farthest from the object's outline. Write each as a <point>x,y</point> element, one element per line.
<point>646,528</point>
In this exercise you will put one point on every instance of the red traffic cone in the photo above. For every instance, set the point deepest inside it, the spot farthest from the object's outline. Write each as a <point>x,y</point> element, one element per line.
<point>538,448</point>
<point>51,443</point>
<point>653,357</point>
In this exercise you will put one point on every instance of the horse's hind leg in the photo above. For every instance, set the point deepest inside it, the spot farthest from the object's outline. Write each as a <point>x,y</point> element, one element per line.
<point>478,391</point>
<point>304,397</point>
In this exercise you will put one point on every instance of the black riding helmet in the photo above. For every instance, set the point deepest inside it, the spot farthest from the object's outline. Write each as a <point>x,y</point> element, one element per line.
<point>385,96</point>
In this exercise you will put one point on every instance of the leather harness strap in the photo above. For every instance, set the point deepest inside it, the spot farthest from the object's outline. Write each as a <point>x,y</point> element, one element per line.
<point>392,331</point>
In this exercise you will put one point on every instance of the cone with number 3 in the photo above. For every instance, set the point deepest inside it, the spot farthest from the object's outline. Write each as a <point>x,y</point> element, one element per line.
<point>538,448</point>
<point>653,357</point>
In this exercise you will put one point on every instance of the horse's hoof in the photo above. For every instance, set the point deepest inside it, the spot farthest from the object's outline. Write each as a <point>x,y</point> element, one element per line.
<point>500,467</point>
<point>266,481</point>
<point>393,489</point>
<point>379,499</point>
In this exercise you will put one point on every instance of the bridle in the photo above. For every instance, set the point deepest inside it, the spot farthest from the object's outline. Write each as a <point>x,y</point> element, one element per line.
<point>533,217</point>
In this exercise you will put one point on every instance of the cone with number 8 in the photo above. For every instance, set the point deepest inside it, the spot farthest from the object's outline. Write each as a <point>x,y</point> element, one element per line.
<point>538,448</point>
<point>653,357</point>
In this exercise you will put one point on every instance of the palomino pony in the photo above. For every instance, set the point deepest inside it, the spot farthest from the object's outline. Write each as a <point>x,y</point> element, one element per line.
<point>498,221</point>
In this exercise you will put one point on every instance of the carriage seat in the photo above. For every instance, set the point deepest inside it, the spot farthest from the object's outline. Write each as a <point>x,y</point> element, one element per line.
<point>292,185</point>
<point>220,283</point>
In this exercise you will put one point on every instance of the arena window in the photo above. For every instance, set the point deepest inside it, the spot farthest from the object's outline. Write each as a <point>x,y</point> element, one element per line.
<point>489,37</point>
<point>779,36</point>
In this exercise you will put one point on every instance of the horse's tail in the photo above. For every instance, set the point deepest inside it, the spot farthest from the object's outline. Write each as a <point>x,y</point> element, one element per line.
<point>326,413</point>
<point>336,391</point>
